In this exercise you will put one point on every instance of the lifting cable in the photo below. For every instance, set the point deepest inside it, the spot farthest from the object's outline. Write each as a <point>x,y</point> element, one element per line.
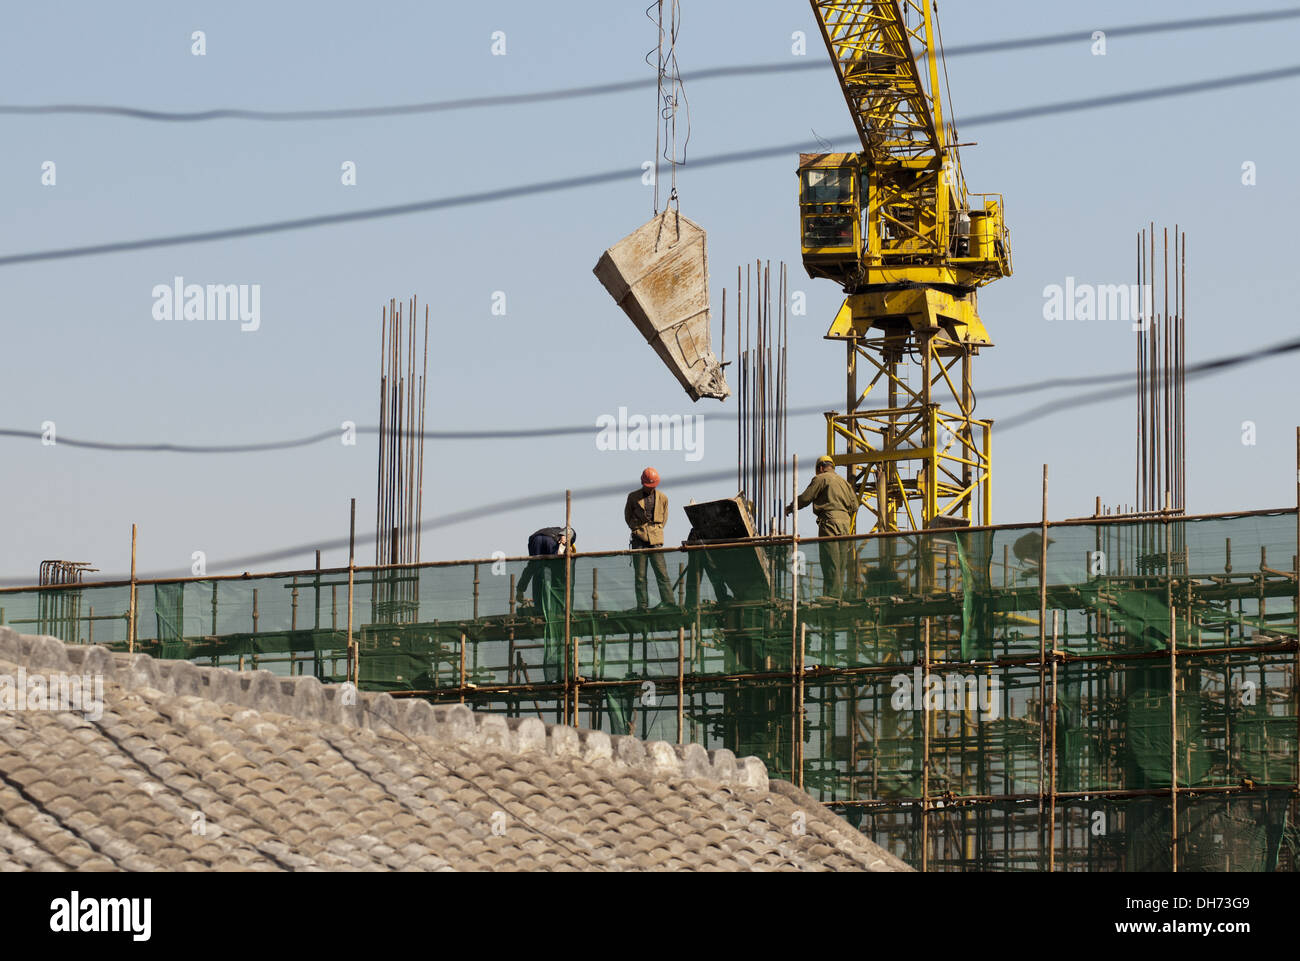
<point>669,92</point>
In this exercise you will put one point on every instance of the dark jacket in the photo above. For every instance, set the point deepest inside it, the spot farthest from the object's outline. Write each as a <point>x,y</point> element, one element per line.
<point>542,544</point>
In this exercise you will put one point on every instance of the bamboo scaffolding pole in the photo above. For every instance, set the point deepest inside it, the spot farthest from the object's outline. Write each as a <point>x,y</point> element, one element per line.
<point>681,682</point>
<point>925,751</point>
<point>568,605</point>
<point>1173,700</point>
<point>1051,807</point>
<point>798,718</point>
<point>130,634</point>
<point>354,660</point>
<point>1042,648</point>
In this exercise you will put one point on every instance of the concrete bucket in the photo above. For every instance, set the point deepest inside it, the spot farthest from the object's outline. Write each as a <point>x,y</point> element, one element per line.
<point>659,276</point>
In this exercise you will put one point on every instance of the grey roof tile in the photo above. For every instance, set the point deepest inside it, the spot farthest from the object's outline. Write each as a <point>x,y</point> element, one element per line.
<point>194,768</point>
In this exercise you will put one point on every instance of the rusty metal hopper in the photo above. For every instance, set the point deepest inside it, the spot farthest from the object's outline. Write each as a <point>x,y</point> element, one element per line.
<point>721,520</point>
<point>745,570</point>
<point>659,276</point>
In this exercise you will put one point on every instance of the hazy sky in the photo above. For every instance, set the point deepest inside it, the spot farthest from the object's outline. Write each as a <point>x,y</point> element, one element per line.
<point>84,351</point>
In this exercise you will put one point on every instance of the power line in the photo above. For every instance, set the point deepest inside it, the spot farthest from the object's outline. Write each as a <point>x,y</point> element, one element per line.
<point>524,433</point>
<point>1133,30</point>
<point>1194,371</point>
<point>614,87</point>
<point>165,447</point>
<point>609,176</point>
<point>553,499</point>
<point>446,520</point>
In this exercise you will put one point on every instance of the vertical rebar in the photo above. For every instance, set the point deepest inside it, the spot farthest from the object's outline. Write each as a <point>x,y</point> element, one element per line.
<point>383,422</point>
<point>742,466</point>
<point>419,497</point>
<point>1140,463</point>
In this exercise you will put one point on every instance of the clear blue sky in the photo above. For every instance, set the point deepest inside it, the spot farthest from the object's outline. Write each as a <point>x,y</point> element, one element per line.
<point>83,350</point>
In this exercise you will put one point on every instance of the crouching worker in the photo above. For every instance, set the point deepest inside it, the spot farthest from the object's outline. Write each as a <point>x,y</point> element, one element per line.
<point>545,572</point>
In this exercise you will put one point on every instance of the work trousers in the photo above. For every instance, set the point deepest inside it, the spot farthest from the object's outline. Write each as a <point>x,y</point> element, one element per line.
<point>832,553</point>
<point>639,571</point>
<point>548,593</point>
<point>699,563</point>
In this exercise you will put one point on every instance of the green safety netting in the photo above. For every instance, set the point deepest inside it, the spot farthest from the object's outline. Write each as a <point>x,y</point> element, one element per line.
<point>712,653</point>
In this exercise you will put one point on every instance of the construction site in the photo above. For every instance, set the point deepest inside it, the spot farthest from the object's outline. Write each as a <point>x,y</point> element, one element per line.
<point>1112,692</point>
<point>963,711</point>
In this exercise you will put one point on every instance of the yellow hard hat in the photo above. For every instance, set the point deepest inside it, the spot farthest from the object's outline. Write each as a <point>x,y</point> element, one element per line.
<point>826,459</point>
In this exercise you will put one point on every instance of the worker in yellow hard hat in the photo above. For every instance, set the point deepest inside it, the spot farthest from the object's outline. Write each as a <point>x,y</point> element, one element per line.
<point>834,503</point>
<point>645,513</point>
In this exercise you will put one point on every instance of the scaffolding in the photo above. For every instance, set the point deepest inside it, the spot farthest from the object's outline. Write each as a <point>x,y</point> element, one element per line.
<point>1116,692</point>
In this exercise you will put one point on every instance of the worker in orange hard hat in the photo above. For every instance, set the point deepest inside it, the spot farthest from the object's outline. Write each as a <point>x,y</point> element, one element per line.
<point>646,512</point>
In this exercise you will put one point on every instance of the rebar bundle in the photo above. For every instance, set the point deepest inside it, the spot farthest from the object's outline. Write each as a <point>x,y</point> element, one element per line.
<point>400,488</point>
<point>1161,474</point>
<point>762,462</point>
<point>59,612</point>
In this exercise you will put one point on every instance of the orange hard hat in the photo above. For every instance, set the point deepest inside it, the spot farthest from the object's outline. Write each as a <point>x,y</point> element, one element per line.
<point>650,477</point>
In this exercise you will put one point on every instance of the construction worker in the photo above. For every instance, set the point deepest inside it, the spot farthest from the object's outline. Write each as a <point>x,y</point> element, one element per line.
<point>645,512</point>
<point>834,503</point>
<point>1027,549</point>
<point>698,564</point>
<point>545,571</point>
<point>544,543</point>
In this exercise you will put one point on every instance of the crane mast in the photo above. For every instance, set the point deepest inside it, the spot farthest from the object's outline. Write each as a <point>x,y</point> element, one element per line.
<point>895,226</point>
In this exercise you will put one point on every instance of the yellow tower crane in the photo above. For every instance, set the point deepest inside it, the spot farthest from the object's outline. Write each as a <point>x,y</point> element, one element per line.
<point>895,226</point>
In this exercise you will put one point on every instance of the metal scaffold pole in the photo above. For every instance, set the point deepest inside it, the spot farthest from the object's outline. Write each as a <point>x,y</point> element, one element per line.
<point>354,659</point>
